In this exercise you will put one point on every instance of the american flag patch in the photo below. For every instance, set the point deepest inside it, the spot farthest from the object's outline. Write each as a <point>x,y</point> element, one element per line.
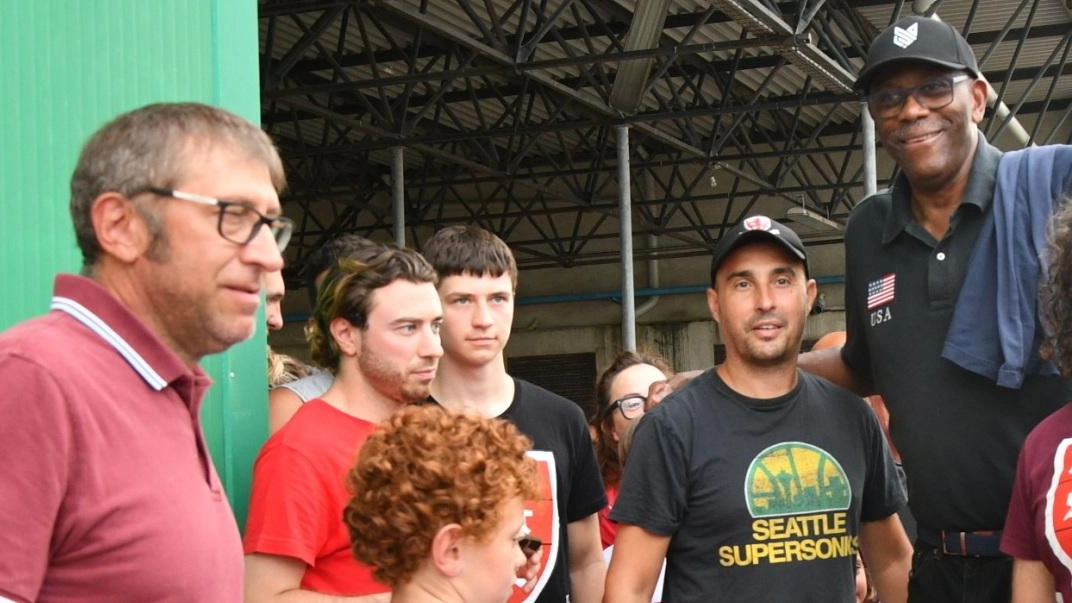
<point>880,292</point>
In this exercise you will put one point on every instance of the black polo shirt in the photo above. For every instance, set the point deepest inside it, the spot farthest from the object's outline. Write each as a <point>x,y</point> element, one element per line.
<point>958,433</point>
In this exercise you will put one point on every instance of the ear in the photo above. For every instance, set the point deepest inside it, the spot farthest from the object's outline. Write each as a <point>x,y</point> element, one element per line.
<point>813,292</point>
<point>448,550</point>
<point>346,335</point>
<point>121,231</point>
<point>979,89</point>
<point>712,304</point>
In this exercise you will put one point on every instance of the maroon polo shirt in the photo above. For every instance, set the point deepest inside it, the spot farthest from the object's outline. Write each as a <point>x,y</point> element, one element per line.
<point>107,491</point>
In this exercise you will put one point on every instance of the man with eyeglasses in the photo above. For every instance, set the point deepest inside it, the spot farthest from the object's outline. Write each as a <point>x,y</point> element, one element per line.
<point>757,481</point>
<point>924,278</point>
<point>107,490</point>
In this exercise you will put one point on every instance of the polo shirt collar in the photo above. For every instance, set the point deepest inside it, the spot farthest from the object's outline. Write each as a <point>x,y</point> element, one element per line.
<point>978,193</point>
<point>92,305</point>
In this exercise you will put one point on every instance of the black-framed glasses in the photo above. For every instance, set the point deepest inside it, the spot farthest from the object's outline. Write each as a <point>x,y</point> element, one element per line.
<point>239,222</point>
<point>630,405</point>
<point>931,95</point>
<point>529,544</point>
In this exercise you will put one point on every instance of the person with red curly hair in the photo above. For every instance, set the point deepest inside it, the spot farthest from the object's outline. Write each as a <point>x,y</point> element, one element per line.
<point>437,505</point>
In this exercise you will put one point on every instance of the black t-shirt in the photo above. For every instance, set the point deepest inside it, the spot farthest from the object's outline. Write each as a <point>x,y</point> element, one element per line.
<point>958,433</point>
<point>558,430</point>
<point>762,499</point>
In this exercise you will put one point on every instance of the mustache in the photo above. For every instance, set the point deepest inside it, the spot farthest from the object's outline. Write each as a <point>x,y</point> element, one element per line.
<point>767,317</point>
<point>921,126</point>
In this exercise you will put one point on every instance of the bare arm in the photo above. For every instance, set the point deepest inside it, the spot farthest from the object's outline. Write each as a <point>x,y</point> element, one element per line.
<point>282,404</point>
<point>827,363</point>
<point>635,565</point>
<point>274,578</point>
<point>586,567</point>
<point>888,555</point>
<point>1032,582</point>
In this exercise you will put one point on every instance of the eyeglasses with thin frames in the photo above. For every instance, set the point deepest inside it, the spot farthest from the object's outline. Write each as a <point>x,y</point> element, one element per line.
<point>239,222</point>
<point>931,95</point>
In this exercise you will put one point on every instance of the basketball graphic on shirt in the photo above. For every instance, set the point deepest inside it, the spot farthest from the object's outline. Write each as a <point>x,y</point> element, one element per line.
<point>542,521</point>
<point>1059,504</point>
<point>793,477</point>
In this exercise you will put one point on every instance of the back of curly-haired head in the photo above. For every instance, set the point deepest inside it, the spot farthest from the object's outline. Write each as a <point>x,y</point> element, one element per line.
<point>426,468</point>
<point>469,249</point>
<point>1056,293</point>
<point>347,292</point>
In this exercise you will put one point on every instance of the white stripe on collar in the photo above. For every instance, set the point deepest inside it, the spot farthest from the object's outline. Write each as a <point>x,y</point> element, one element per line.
<point>98,326</point>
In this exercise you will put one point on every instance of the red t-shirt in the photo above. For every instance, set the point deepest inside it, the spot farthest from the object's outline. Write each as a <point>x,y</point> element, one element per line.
<point>608,528</point>
<point>1039,523</point>
<point>298,496</point>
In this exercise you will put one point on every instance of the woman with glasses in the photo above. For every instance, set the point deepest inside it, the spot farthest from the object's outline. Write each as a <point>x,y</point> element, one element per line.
<point>438,506</point>
<point>622,395</point>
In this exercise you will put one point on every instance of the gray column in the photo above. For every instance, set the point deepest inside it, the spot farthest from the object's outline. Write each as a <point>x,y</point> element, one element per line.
<point>625,213</point>
<point>867,124</point>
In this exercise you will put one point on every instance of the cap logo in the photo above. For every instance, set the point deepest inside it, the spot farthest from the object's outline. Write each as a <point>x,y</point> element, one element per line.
<point>757,223</point>
<point>905,36</point>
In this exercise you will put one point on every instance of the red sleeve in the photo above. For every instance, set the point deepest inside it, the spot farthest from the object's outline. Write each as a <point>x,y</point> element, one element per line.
<point>1018,535</point>
<point>286,506</point>
<point>35,448</point>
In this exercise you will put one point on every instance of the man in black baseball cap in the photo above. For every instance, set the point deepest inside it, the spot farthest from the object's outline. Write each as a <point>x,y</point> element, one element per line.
<point>754,467</point>
<point>908,250</point>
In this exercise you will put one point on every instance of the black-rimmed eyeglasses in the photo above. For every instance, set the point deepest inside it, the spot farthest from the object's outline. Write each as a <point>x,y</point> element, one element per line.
<point>631,406</point>
<point>238,221</point>
<point>931,95</point>
<point>529,544</point>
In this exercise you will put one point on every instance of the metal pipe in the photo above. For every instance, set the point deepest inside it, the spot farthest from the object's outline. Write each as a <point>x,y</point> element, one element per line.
<point>398,195</point>
<point>614,296</point>
<point>653,279</point>
<point>867,125</point>
<point>625,216</point>
<point>653,245</point>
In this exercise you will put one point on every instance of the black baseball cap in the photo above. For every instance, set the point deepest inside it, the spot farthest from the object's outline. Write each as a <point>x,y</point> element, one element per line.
<point>758,227</point>
<point>920,39</point>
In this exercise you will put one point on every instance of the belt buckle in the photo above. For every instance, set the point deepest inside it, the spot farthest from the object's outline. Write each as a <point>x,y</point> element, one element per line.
<point>960,538</point>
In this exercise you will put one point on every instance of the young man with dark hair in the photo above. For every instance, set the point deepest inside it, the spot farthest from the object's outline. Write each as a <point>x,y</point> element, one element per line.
<point>757,481</point>
<point>376,325</point>
<point>477,282</point>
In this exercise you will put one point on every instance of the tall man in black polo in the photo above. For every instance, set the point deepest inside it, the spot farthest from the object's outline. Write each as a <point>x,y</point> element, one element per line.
<point>907,252</point>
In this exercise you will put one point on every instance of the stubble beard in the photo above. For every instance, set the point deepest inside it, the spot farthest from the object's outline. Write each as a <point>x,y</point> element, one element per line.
<point>388,380</point>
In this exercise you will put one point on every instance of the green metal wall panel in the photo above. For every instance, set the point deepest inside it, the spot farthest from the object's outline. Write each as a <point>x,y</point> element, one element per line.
<point>69,66</point>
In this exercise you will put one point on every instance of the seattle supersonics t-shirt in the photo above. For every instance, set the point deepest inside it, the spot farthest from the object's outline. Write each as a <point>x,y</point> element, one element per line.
<point>762,499</point>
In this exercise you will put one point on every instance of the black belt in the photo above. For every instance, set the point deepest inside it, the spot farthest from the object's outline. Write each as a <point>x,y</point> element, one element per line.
<point>984,543</point>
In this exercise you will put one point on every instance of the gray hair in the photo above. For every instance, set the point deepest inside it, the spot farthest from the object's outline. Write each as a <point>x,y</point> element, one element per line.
<point>150,146</point>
